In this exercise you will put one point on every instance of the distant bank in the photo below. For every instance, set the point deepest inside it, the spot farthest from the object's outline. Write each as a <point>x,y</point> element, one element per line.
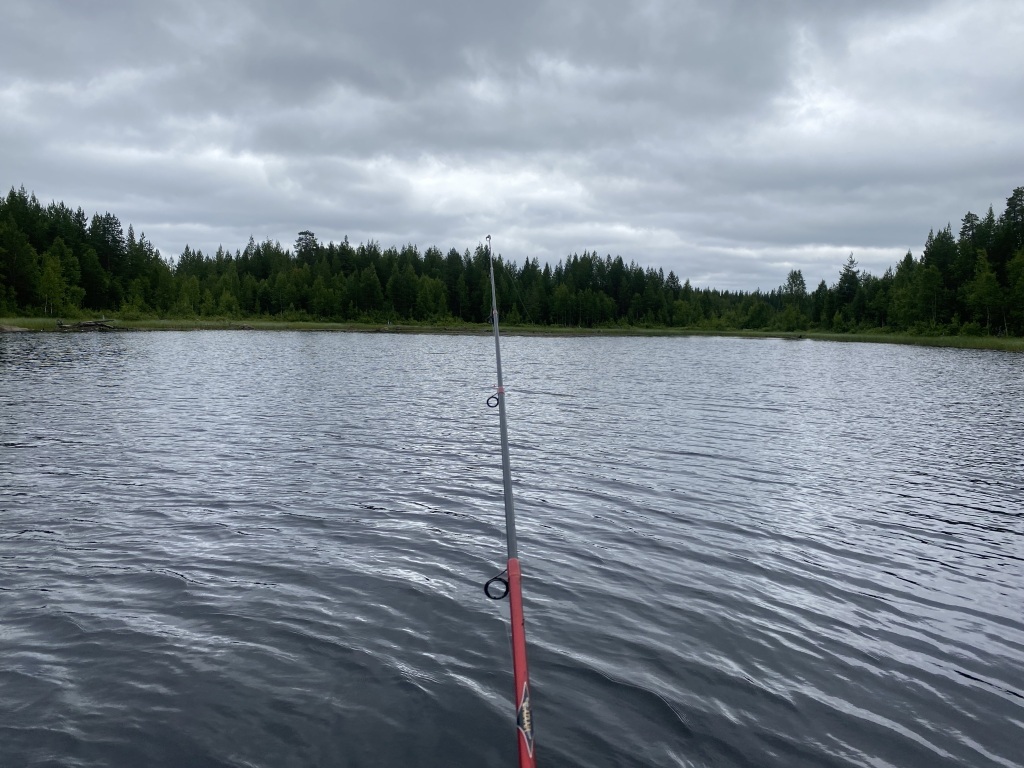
<point>24,324</point>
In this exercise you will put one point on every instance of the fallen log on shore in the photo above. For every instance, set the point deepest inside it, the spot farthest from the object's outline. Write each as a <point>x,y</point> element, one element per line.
<point>86,325</point>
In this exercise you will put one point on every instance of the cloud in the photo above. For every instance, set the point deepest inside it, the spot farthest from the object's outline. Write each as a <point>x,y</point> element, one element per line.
<point>727,142</point>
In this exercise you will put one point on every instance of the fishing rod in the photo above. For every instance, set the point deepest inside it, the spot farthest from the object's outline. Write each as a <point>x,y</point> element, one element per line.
<point>508,582</point>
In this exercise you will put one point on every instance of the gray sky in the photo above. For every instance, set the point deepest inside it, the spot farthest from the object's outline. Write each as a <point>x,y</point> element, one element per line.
<point>727,141</point>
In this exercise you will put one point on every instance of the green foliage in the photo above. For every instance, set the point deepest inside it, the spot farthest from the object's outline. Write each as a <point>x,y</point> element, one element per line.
<point>849,282</point>
<point>1015,292</point>
<point>984,294</point>
<point>51,282</point>
<point>57,261</point>
<point>431,299</point>
<point>368,296</point>
<point>792,319</point>
<point>19,264</point>
<point>795,288</point>
<point>402,289</point>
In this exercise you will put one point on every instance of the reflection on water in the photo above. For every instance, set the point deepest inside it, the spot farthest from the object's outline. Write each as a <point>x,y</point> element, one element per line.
<point>267,549</point>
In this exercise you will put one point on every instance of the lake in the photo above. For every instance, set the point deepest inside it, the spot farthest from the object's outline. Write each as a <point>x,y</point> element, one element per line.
<point>268,549</point>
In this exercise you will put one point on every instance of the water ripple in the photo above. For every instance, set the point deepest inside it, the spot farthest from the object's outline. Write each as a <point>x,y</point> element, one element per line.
<point>222,549</point>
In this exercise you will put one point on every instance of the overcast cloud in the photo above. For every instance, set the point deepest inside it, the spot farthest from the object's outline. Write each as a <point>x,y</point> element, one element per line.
<point>727,141</point>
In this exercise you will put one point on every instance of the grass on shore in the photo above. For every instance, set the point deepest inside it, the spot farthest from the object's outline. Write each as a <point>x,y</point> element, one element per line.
<point>1012,344</point>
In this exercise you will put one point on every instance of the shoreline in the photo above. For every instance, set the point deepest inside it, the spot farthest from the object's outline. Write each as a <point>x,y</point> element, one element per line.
<point>48,325</point>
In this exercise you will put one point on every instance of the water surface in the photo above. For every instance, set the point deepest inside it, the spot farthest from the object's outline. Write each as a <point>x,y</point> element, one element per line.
<point>267,549</point>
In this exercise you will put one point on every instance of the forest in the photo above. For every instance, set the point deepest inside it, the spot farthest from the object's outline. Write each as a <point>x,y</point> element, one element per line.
<point>56,261</point>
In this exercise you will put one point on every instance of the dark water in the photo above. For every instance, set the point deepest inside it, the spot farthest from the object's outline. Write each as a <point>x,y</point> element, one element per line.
<point>267,549</point>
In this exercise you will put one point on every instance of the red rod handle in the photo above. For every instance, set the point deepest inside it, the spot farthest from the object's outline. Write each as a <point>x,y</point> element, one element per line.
<point>524,715</point>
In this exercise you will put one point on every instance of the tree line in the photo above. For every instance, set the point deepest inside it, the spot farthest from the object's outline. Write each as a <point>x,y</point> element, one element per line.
<point>56,261</point>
